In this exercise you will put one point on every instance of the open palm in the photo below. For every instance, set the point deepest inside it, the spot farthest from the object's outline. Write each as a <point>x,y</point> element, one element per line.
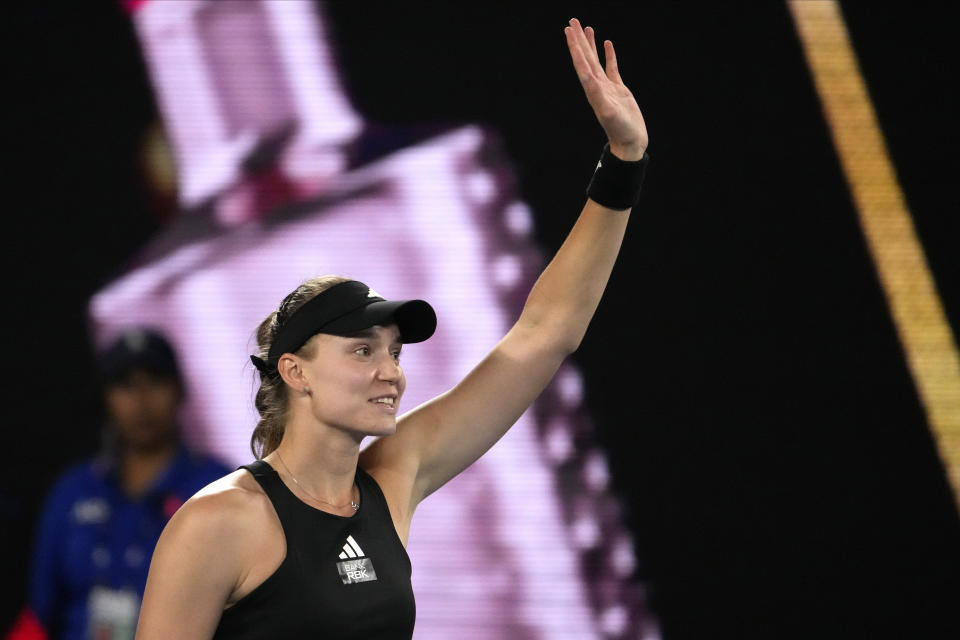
<point>612,102</point>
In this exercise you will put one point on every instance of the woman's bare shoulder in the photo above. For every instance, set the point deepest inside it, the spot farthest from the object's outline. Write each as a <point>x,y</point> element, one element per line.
<point>223,504</point>
<point>205,557</point>
<point>238,485</point>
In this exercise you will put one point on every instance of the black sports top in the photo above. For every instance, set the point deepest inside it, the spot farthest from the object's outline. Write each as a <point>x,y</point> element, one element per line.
<point>342,577</point>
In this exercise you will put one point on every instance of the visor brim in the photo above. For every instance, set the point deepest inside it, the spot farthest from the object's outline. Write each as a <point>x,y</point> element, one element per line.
<point>416,319</point>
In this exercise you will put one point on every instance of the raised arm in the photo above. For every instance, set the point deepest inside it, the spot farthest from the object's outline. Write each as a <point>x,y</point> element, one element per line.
<point>439,439</point>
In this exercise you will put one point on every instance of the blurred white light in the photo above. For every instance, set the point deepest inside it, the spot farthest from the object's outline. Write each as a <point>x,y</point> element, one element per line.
<point>507,271</point>
<point>570,386</point>
<point>481,187</point>
<point>558,442</point>
<point>614,619</point>
<point>585,532</point>
<point>518,219</point>
<point>595,473</point>
<point>622,557</point>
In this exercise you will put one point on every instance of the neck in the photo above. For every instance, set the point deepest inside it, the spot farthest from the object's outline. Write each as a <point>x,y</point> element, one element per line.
<point>140,467</point>
<point>323,460</point>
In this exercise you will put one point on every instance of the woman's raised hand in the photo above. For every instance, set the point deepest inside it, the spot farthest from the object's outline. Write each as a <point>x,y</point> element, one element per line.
<point>613,104</point>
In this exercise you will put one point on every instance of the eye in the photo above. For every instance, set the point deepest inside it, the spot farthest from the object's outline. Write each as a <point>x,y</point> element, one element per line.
<point>362,351</point>
<point>396,355</point>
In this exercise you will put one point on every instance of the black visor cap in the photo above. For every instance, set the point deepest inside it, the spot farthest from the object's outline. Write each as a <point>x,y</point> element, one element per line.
<point>345,309</point>
<point>415,319</point>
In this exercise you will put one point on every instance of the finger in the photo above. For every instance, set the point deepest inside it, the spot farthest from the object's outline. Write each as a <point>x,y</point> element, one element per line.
<point>591,40</point>
<point>613,71</point>
<point>580,64</point>
<point>580,58</point>
<point>588,52</point>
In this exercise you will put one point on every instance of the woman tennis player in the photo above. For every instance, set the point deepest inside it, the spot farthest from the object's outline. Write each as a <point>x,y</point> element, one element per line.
<point>309,540</point>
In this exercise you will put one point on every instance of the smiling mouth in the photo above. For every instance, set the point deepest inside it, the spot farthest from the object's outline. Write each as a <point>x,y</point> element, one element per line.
<point>389,401</point>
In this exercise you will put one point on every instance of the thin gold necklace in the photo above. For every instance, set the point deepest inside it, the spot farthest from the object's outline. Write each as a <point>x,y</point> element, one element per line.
<point>338,506</point>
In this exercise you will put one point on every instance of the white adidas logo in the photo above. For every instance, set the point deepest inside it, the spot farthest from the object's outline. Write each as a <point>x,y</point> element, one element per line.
<point>351,549</point>
<point>352,568</point>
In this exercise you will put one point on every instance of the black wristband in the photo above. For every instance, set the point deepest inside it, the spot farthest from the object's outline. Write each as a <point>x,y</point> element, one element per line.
<point>616,183</point>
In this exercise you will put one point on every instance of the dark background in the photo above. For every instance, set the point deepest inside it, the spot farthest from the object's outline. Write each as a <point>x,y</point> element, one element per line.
<point>743,369</point>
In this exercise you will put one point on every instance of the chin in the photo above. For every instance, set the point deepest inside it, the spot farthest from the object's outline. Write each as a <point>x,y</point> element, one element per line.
<point>374,429</point>
<point>383,430</point>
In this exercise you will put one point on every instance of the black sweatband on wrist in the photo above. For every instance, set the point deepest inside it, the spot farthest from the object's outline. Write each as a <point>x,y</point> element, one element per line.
<point>616,183</point>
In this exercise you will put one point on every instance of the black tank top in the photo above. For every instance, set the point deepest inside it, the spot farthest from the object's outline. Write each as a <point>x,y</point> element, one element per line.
<point>342,577</point>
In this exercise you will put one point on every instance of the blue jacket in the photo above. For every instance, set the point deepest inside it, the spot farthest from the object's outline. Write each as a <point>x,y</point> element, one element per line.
<point>91,534</point>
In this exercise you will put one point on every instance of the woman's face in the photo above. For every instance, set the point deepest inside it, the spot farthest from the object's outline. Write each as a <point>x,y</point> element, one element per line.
<point>356,382</point>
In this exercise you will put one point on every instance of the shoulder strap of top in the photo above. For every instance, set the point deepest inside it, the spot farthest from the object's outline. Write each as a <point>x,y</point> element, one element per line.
<point>267,477</point>
<point>381,514</point>
<point>257,467</point>
<point>372,489</point>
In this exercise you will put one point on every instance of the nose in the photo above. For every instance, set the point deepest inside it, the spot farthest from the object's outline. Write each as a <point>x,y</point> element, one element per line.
<point>388,369</point>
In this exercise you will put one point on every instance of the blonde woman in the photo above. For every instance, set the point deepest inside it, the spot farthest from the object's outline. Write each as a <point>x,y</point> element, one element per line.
<point>309,540</point>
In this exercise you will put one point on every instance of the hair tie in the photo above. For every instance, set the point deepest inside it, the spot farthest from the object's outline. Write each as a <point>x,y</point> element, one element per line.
<point>262,366</point>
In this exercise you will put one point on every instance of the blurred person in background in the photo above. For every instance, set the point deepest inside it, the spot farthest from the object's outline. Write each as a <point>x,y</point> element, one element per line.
<point>103,517</point>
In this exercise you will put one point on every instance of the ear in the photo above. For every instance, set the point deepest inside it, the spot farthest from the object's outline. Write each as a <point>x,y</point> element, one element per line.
<point>291,370</point>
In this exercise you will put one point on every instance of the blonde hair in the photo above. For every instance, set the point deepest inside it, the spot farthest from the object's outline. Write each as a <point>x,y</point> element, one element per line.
<point>272,399</point>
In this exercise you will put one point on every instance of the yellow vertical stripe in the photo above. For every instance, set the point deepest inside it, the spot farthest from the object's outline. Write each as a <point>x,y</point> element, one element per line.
<point>897,253</point>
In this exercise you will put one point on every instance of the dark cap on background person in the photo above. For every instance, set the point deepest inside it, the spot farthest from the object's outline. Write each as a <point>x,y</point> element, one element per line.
<point>138,349</point>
